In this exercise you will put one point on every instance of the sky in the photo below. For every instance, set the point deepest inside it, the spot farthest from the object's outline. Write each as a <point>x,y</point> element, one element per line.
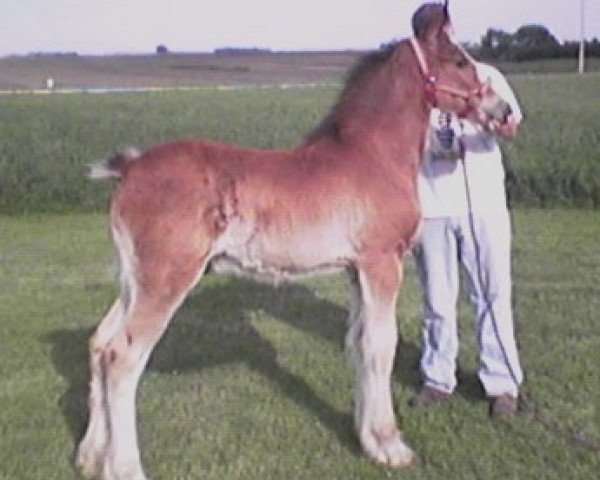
<point>138,26</point>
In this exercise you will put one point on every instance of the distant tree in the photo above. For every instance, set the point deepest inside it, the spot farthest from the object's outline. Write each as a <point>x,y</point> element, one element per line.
<point>240,51</point>
<point>593,48</point>
<point>534,36</point>
<point>495,44</point>
<point>528,42</point>
<point>534,41</point>
<point>162,50</point>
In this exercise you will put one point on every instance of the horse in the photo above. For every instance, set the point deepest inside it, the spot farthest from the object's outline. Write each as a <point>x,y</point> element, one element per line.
<point>345,198</point>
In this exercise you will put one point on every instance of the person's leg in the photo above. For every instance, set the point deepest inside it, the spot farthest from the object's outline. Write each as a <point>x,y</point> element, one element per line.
<point>487,261</point>
<point>437,260</point>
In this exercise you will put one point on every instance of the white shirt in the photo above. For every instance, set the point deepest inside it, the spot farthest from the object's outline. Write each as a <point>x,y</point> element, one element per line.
<point>442,189</point>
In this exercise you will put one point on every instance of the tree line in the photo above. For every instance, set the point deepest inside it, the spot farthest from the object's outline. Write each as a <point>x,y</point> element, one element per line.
<point>529,42</point>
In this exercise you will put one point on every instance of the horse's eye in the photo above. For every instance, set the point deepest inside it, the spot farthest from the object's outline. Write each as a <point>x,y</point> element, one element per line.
<point>462,63</point>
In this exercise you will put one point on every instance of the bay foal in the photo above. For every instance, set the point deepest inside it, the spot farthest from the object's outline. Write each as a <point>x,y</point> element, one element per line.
<point>346,198</point>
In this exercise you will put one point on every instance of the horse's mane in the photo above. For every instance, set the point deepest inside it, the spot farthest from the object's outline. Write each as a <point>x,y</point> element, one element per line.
<point>366,66</point>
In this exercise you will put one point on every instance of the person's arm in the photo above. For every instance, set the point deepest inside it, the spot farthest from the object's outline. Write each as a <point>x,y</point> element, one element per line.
<point>510,128</point>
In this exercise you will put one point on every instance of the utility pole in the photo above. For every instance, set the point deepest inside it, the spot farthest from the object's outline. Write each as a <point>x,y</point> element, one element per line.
<point>582,40</point>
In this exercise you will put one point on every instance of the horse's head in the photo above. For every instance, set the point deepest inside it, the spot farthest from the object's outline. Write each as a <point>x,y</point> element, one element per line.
<point>449,72</point>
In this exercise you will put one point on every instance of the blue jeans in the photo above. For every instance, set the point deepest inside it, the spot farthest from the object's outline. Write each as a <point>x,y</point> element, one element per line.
<point>448,242</point>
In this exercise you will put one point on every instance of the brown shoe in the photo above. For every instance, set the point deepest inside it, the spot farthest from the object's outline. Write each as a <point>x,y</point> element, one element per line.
<point>429,396</point>
<point>504,406</point>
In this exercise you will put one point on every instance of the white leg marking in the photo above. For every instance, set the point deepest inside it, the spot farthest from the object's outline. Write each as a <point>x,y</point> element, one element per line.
<point>92,448</point>
<point>123,458</point>
<point>372,339</point>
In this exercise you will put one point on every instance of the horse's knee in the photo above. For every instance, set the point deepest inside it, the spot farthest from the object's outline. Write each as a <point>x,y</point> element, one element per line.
<point>375,345</point>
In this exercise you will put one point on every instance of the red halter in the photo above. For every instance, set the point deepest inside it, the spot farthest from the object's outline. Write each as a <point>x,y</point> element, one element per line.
<point>432,86</point>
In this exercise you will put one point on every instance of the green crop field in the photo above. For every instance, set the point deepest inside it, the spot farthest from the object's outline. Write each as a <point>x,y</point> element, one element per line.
<point>556,158</point>
<point>251,381</point>
<point>47,140</point>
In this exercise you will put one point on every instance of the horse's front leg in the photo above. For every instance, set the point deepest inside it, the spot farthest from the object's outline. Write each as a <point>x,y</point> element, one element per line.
<point>372,342</point>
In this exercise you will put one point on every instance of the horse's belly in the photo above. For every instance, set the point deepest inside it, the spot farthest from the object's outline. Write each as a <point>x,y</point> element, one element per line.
<point>282,254</point>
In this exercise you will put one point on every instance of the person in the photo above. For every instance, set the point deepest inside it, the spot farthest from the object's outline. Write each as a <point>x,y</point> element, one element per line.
<point>466,221</point>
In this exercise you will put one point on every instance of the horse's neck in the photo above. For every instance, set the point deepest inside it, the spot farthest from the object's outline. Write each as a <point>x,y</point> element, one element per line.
<point>397,129</point>
<point>404,117</point>
<point>387,112</point>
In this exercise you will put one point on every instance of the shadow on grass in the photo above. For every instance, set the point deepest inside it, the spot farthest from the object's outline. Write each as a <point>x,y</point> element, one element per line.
<point>212,328</point>
<point>469,386</point>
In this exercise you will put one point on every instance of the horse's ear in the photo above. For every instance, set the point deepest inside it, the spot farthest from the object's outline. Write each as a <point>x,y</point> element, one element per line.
<point>447,27</point>
<point>446,11</point>
<point>430,22</point>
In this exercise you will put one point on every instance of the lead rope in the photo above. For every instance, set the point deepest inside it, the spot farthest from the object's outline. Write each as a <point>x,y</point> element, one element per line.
<point>575,439</point>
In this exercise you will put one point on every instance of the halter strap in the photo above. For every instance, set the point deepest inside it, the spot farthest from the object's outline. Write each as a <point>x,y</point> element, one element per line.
<point>431,81</point>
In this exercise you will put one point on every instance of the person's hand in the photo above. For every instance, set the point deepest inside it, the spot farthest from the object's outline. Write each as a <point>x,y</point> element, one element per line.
<point>507,129</point>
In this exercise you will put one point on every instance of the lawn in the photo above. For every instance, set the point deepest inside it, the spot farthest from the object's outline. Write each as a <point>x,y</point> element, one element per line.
<point>251,381</point>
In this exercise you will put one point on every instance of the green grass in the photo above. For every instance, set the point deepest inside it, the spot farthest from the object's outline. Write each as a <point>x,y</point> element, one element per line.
<point>46,141</point>
<point>555,160</point>
<point>251,382</point>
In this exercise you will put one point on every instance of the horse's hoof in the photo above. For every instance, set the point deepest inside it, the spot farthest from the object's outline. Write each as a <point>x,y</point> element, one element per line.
<point>386,447</point>
<point>89,463</point>
<point>131,470</point>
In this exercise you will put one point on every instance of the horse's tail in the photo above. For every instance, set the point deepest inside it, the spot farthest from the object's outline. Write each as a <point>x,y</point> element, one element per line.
<point>113,167</point>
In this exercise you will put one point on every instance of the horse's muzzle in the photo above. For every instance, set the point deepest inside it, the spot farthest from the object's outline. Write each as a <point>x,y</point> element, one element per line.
<point>496,109</point>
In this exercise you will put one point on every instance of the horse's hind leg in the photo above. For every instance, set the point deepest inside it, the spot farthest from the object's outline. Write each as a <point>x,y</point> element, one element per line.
<point>165,269</point>
<point>123,361</point>
<point>372,341</point>
<point>92,449</point>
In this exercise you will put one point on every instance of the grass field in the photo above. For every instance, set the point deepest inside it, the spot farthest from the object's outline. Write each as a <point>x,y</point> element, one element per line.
<point>555,161</point>
<point>560,65</point>
<point>46,141</point>
<point>251,382</point>
<point>73,71</point>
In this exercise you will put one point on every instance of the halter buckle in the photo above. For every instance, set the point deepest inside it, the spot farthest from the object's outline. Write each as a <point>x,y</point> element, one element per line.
<point>430,79</point>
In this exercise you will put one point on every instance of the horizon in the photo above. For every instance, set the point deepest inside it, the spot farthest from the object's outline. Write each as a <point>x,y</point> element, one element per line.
<point>137,27</point>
